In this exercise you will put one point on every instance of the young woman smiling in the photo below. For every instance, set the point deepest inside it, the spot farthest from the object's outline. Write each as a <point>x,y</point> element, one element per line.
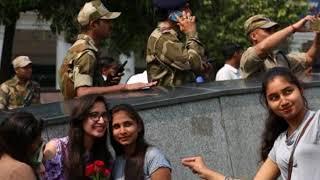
<point>85,143</point>
<point>135,158</point>
<point>291,139</point>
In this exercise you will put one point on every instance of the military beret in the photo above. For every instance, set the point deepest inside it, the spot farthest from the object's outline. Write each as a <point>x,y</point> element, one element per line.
<point>169,4</point>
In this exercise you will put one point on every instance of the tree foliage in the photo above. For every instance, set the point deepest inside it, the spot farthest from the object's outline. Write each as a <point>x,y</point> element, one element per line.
<point>219,21</point>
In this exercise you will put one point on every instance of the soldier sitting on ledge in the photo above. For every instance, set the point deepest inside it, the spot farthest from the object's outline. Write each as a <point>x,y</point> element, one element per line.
<point>20,91</point>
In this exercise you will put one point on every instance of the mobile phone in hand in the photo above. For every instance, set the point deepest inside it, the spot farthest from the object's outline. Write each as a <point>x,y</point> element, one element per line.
<point>174,14</point>
<point>121,67</point>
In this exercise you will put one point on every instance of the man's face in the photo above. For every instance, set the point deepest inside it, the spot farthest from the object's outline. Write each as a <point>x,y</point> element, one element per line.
<point>109,70</point>
<point>259,34</point>
<point>104,28</point>
<point>24,73</point>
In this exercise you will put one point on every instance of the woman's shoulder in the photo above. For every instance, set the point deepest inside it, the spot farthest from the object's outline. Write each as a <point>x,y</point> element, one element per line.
<point>153,151</point>
<point>54,146</point>
<point>56,141</point>
<point>155,155</point>
<point>16,169</point>
<point>155,159</point>
<point>55,156</point>
<point>23,171</point>
<point>280,138</point>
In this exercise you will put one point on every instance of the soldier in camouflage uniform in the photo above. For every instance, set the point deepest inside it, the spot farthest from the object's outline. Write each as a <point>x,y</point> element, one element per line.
<point>79,67</point>
<point>170,61</point>
<point>263,35</point>
<point>19,91</point>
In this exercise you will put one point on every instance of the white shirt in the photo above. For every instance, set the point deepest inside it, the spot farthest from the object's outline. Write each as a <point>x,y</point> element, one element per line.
<point>306,158</point>
<point>228,72</point>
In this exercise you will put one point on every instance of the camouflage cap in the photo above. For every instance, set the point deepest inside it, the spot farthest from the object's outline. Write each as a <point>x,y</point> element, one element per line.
<point>21,61</point>
<point>258,21</point>
<point>94,10</point>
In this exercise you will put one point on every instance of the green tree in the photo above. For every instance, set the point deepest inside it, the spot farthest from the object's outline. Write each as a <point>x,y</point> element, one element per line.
<point>219,21</point>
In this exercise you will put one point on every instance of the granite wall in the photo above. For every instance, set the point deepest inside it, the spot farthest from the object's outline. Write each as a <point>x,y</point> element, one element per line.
<point>225,130</point>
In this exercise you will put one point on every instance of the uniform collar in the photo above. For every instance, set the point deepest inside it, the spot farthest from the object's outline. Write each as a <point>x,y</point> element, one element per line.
<point>17,81</point>
<point>89,40</point>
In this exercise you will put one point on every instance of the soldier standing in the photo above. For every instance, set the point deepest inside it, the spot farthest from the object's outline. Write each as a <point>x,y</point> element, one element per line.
<point>170,61</point>
<point>265,37</point>
<point>79,67</point>
<point>20,91</point>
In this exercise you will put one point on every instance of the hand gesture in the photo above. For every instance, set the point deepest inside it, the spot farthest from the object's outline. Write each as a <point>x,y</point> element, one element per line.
<point>196,164</point>
<point>187,23</point>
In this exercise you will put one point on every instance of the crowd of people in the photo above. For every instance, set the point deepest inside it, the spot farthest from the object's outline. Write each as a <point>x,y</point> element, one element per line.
<point>291,134</point>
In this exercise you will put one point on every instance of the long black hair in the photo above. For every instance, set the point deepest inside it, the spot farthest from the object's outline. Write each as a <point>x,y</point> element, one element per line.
<point>274,124</point>
<point>134,163</point>
<point>75,164</point>
<point>17,133</point>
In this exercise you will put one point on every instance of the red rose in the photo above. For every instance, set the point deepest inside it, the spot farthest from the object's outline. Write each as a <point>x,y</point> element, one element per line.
<point>106,172</point>
<point>89,170</point>
<point>99,165</point>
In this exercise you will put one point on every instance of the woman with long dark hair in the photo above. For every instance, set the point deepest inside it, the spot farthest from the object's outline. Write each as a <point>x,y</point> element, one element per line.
<point>290,141</point>
<point>20,140</point>
<point>135,158</point>
<point>86,141</point>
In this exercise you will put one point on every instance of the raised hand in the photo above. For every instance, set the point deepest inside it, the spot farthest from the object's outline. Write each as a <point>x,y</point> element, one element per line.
<point>187,23</point>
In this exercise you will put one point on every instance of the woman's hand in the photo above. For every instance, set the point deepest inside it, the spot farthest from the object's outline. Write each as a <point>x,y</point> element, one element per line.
<point>197,165</point>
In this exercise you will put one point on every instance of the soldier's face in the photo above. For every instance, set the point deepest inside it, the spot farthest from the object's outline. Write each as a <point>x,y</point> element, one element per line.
<point>104,28</point>
<point>109,70</point>
<point>259,35</point>
<point>24,73</point>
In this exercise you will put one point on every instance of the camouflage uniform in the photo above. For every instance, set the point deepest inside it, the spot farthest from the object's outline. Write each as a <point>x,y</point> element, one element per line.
<point>251,65</point>
<point>79,66</point>
<point>14,95</point>
<point>171,62</point>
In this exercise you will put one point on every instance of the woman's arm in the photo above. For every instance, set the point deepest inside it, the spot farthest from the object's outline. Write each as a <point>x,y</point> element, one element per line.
<point>268,171</point>
<point>197,165</point>
<point>162,173</point>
